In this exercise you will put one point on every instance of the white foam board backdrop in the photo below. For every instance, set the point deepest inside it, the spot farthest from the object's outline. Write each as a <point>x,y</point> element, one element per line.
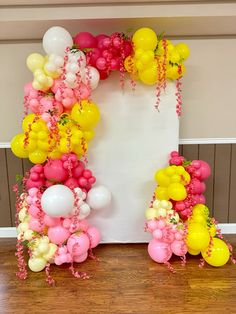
<point>132,141</point>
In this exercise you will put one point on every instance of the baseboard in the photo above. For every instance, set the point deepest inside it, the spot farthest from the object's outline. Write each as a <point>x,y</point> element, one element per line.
<point>10,232</point>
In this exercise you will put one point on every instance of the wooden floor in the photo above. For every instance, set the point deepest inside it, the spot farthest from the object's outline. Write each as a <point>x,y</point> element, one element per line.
<point>124,281</point>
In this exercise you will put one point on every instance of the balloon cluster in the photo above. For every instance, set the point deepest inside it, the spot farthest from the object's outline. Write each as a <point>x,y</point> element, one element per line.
<point>58,193</point>
<point>105,53</point>
<point>178,219</point>
<point>198,171</point>
<point>168,232</point>
<point>53,222</point>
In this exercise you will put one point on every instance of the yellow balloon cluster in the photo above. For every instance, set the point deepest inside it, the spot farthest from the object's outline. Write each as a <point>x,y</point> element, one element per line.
<point>34,142</point>
<point>43,79</point>
<point>155,60</point>
<point>200,229</point>
<point>143,64</point>
<point>175,56</point>
<point>75,130</point>
<point>171,183</point>
<point>162,209</point>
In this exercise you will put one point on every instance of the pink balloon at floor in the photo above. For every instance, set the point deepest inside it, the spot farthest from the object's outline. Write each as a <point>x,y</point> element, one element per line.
<point>78,244</point>
<point>178,248</point>
<point>94,236</point>
<point>80,258</point>
<point>159,251</point>
<point>54,171</point>
<point>58,234</point>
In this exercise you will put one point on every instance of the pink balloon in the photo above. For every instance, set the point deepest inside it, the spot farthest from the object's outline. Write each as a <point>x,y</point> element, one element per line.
<point>80,258</point>
<point>205,170</point>
<point>51,221</point>
<point>178,248</point>
<point>54,171</point>
<point>94,236</point>
<point>78,244</point>
<point>85,40</point>
<point>34,211</point>
<point>35,225</point>
<point>72,183</point>
<point>58,234</point>
<point>83,225</point>
<point>77,172</point>
<point>157,234</point>
<point>152,225</point>
<point>159,251</point>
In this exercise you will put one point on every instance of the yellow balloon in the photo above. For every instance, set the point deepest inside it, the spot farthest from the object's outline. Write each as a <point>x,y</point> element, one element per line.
<point>198,237</point>
<point>43,145</point>
<point>86,114</point>
<point>193,252</point>
<point>27,121</point>
<point>161,193</point>
<point>201,209</point>
<point>17,146</point>
<point>129,65</point>
<point>35,61</point>
<point>37,264</point>
<point>31,145</point>
<point>161,178</point>
<point>55,154</point>
<point>177,191</point>
<point>149,76</point>
<point>88,135</point>
<point>145,38</point>
<point>65,146</point>
<point>183,50</point>
<point>38,156</point>
<point>219,255</point>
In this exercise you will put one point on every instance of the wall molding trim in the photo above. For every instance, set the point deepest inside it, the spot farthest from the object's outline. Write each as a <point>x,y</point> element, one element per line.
<point>184,141</point>
<point>10,232</point>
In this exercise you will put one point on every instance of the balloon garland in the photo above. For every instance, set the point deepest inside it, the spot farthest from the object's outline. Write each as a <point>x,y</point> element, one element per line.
<point>59,121</point>
<point>178,218</point>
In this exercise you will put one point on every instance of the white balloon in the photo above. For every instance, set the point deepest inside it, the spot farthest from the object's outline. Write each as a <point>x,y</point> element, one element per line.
<point>98,197</point>
<point>84,211</point>
<point>91,77</point>
<point>56,40</point>
<point>57,201</point>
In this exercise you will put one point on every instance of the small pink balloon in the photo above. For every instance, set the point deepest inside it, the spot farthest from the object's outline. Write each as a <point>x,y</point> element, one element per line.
<point>159,251</point>
<point>83,225</point>
<point>77,172</point>
<point>34,211</point>
<point>78,244</point>
<point>33,192</point>
<point>51,221</point>
<point>80,258</point>
<point>94,236</point>
<point>178,248</point>
<point>58,234</point>
<point>35,225</point>
<point>66,223</point>
<point>72,183</point>
<point>152,225</point>
<point>54,171</point>
<point>157,234</point>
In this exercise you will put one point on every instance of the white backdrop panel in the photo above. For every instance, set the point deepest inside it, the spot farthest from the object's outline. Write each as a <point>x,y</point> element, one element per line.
<point>132,140</point>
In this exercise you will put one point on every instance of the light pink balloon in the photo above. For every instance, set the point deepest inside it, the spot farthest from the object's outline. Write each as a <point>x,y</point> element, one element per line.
<point>179,248</point>
<point>159,251</point>
<point>51,221</point>
<point>58,234</point>
<point>34,211</point>
<point>78,244</point>
<point>94,236</point>
<point>35,225</point>
<point>80,258</point>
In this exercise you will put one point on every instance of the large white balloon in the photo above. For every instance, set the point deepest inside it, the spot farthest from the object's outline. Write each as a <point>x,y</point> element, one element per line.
<point>57,200</point>
<point>98,197</point>
<point>56,40</point>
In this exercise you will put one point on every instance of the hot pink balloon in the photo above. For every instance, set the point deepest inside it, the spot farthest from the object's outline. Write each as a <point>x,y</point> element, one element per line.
<point>94,236</point>
<point>85,40</point>
<point>159,251</point>
<point>58,234</point>
<point>54,171</point>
